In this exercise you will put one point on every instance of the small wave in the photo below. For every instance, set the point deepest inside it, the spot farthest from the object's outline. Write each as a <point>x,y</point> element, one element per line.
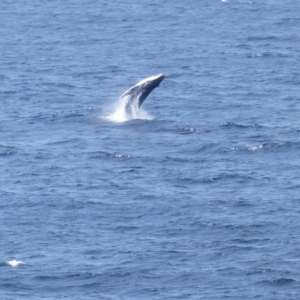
<point>7,151</point>
<point>263,38</point>
<point>64,115</point>
<point>267,54</point>
<point>227,176</point>
<point>14,263</point>
<point>273,146</point>
<point>269,146</point>
<point>189,181</point>
<point>59,85</point>
<point>161,159</point>
<point>187,130</point>
<point>66,141</point>
<point>103,154</point>
<point>256,148</point>
<point>280,281</point>
<point>235,125</point>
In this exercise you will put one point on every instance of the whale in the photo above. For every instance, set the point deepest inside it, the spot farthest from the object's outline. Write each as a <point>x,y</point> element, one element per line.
<point>136,95</point>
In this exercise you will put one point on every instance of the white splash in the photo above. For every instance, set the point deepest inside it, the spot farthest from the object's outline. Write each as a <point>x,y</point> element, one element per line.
<point>15,263</point>
<point>119,115</point>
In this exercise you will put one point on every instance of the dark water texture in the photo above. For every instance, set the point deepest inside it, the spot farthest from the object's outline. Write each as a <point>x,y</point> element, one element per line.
<point>199,201</point>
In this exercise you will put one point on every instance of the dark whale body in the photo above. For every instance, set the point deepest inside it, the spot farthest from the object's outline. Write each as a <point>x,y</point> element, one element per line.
<point>136,95</point>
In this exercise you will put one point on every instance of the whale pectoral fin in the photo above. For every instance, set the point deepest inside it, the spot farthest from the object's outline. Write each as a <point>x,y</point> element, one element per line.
<point>131,92</point>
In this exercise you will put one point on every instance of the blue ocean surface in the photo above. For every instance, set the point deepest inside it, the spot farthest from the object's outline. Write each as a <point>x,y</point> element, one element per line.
<point>197,198</point>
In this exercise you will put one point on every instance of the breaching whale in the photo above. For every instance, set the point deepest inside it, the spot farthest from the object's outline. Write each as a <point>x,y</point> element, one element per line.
<point>135,96</point>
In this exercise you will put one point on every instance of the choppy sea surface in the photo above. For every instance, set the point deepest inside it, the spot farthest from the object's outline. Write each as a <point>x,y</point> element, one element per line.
<point>198,198</point>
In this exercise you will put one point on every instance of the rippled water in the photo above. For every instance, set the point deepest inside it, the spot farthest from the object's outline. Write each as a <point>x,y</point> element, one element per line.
<point>197,198</point>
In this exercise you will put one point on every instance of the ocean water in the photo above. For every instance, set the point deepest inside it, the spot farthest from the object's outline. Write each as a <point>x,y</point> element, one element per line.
<point>197,198</point>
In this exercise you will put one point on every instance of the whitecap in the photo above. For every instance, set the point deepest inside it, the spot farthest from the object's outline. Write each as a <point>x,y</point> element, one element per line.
<point>255,148</point>
<point>15,263</point>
